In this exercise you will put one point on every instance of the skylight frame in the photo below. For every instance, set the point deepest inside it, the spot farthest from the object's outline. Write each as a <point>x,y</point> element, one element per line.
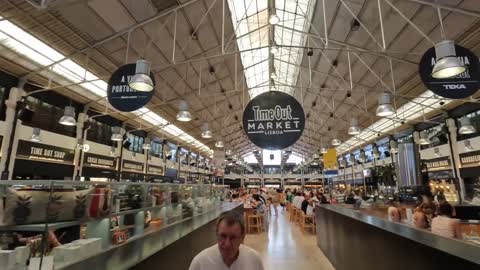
<point>25,44</point>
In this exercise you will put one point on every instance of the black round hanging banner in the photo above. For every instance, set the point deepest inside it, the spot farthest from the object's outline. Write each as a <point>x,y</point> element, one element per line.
<point>121,96</point>
<point>460,86</point>
<point>273,120</point>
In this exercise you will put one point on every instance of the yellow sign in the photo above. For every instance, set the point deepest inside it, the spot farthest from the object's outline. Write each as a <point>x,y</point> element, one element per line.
<point>330,159</point>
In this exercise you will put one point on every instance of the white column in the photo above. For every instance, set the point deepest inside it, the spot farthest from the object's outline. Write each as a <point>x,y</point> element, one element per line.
<point>11,104</point>
<point>455,156</point>
<point>82,117</point>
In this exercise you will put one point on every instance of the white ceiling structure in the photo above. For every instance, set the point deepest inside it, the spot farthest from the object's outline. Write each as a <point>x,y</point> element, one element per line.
<point>216,54</point>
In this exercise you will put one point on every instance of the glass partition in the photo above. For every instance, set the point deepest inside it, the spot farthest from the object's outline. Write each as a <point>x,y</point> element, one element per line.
<point>66,222</point>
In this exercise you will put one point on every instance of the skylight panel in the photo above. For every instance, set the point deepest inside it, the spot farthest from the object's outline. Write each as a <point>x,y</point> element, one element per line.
<point>412,110</point>
<point>23,43</point>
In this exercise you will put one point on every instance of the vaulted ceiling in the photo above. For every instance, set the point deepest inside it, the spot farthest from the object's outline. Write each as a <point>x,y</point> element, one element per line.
<point>195,56</point>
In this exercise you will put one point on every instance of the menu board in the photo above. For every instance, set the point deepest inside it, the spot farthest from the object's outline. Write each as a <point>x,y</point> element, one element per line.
<point>94,160</point>
<point>470,159</point>
<point>133,166</point>
<point>155,170</point>
<point>43,152</point>
<point>437,164</point>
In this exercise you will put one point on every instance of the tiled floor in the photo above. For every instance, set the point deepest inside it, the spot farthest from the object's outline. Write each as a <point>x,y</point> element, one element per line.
<point>286,247</point>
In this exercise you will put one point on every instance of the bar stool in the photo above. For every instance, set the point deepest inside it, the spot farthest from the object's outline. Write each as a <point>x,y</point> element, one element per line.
<point>254,222</point>
<point>292,213</point>
<point>307,222</point>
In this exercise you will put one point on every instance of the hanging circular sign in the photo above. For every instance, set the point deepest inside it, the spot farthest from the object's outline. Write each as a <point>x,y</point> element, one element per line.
<point>273,120</point>
<point>121,96</point>
<point>461,86</point>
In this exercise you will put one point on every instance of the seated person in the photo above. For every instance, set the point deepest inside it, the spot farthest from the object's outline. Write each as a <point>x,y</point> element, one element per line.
<point>258,204</point>
<point>394,214</point>
<point>444,224</point>
<point>419,219</point>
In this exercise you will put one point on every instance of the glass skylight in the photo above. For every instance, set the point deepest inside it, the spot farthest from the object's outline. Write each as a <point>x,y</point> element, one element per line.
<point>277,157</point>
<point>250,159</point>
<point>21,42</point>
<point>412,110</point>
<point>250,20</point>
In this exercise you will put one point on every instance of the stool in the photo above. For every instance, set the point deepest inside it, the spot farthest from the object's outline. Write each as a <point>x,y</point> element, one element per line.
<point>254,222</point>
<point>298,215</point>
<point>292,213</point>
<point>307,222</point>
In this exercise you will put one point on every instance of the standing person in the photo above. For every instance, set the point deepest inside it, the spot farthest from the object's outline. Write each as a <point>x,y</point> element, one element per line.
<point>228,253</point>
<point>283,198</point>
<point>275,200</point>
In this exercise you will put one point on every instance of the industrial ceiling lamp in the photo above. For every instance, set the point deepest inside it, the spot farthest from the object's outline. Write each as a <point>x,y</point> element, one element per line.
<point>354,129</point>
<point>375,152</point>
<point>184,114</point>
<point>468,145</point>
<point>273,19</point>
<point>424,139</point>
<point>117,134</point>
<point>141,81</point>
<point>206,132</point>
<point>385,107</point>
<point>336,142</point>
<point>68,118</point>
<point>219,144</point>
<point>393,147</point>
<point>274,48</point>
<point>35,135</point>
<point>466,126</point>
<point>447,64</point>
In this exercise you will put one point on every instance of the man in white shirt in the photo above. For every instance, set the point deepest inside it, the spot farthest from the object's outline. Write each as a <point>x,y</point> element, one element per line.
<point>229,253</point>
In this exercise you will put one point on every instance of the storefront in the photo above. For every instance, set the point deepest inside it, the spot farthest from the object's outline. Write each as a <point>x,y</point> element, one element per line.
<point>98,167</point>
<point>42,161</point>
<point>132,171</point>
<point>470,172</point>
<point>155,173</point>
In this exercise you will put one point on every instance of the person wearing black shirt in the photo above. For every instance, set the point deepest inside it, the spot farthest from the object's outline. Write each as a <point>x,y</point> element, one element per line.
<point>305,203</point>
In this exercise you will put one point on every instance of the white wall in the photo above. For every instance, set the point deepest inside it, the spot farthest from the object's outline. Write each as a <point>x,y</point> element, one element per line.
<point>444,151</point>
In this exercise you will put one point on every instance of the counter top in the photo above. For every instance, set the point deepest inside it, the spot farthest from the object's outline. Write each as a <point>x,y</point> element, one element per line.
<point>451,246</point>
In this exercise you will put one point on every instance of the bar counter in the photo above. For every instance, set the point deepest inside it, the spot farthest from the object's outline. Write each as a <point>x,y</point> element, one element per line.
<point>363,239</point>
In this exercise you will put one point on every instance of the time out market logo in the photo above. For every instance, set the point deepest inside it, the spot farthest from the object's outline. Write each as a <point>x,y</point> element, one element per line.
<point>273,120</point>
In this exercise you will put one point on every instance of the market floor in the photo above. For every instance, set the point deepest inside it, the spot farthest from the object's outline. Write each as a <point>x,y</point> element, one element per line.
<point>286,247</point>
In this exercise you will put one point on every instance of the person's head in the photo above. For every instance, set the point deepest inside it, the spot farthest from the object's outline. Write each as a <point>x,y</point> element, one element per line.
<point>441,198</point>
<point>394,214</point>
<point>419,219</point>
<point>307,196</point>
<point>427,198</point>
<point>256,197</point>
<point>230,233</point>
<point>445,209</point>
<point>235,196</point>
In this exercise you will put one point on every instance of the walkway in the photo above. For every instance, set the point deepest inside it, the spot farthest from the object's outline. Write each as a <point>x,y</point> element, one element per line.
<point>286,247</point>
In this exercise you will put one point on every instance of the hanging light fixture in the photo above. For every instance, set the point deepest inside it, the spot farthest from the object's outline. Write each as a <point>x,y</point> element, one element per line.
<point>468,145</point>
<point>219,144</point>
<point>228,152</point>
<point>117,134</point>
<point>447,64</point>
<point>141,81</point>
<point>273,18</point>
<point>393,147</point>
<point>375,152</point>
<point>146,146</point>
<point>68,118</point>
<point>385,107</point>
<point>354,129</point>
<point>466,126</point>
<point>35,135</point>
<point>336,142</point>
<point>274,48</point>
<point>423,138</point>
<point>206,132</point>
<point>184,114</point>
<point>362,156</point>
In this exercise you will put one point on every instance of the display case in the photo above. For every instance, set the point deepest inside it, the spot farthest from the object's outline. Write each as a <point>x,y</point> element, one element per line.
<point>56,224</point>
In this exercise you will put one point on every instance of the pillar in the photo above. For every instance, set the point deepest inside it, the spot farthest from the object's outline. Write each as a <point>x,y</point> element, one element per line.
<point>82,117</point>
<point>455,156</point>
<point>11,107</point>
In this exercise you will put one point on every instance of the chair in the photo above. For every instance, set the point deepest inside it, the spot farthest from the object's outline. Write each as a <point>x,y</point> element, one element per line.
<point>307,222</point>
<point>254,222</point>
